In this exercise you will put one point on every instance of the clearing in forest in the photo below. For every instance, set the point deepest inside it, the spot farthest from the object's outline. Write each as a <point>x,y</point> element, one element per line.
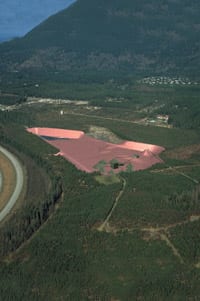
<point>8,180</point>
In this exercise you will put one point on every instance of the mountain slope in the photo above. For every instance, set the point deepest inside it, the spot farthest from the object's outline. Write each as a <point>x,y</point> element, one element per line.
<point>18,17</point>
<point>138,37</point>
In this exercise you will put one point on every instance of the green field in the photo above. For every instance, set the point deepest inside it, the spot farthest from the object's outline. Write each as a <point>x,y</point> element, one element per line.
<point>52,248</point>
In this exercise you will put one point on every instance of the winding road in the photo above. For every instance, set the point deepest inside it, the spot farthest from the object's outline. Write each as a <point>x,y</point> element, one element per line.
<point>18,185</point>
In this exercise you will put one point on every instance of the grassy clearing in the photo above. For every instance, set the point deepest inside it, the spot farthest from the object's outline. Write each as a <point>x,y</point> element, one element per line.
<point>9,179</point>
<point>107,179</point>
<point>169,138</point>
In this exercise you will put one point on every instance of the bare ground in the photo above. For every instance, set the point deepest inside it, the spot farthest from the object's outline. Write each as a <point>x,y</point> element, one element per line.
<point>183,153</point>
<point>102,133</point>
<point>9,179</point>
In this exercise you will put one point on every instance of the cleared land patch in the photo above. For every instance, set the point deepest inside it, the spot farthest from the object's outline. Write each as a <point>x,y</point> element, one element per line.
<point>107,179</point>
<point>183,153</point>
<point>103,133</point>
<point>8,180</point>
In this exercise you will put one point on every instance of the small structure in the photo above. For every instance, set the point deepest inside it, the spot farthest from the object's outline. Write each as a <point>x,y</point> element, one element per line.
<point>163,118</point>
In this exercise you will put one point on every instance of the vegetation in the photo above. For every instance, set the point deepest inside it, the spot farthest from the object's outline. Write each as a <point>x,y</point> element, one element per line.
<point>51,245</point>
<point>123,99</point>
<point>134,37</point>
<point>78,262</point>
<point>43,190</point>
<point>107,179</point>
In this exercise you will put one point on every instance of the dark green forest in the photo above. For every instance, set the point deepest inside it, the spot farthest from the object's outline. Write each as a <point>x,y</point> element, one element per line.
<point>57,243</point>
<point>51,246</point>
<point>111,37</point>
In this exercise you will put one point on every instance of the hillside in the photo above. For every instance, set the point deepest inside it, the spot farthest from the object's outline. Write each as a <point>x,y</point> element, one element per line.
<point>112,37</point>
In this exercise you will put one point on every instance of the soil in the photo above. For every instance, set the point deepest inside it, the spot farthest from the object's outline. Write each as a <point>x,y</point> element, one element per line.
<point>183,153</point>
<point>104,134</point>
<point>8,174</point>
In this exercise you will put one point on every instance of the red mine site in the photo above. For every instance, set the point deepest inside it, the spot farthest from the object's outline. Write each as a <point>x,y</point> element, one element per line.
<point>86,153</point>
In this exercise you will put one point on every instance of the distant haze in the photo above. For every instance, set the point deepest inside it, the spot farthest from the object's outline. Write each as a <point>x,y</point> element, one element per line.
<point>17,17</point>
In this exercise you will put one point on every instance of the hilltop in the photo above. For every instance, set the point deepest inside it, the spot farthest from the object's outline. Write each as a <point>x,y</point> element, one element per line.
<point>112,37</point>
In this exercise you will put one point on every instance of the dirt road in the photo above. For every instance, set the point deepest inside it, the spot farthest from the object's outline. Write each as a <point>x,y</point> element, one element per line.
<point>103,226</point>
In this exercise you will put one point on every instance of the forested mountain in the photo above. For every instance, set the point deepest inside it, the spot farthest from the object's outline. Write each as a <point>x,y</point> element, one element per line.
<point>119,36</point>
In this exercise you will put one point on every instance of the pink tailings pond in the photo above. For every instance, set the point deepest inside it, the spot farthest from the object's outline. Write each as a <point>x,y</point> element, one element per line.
<point>90,155</point>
